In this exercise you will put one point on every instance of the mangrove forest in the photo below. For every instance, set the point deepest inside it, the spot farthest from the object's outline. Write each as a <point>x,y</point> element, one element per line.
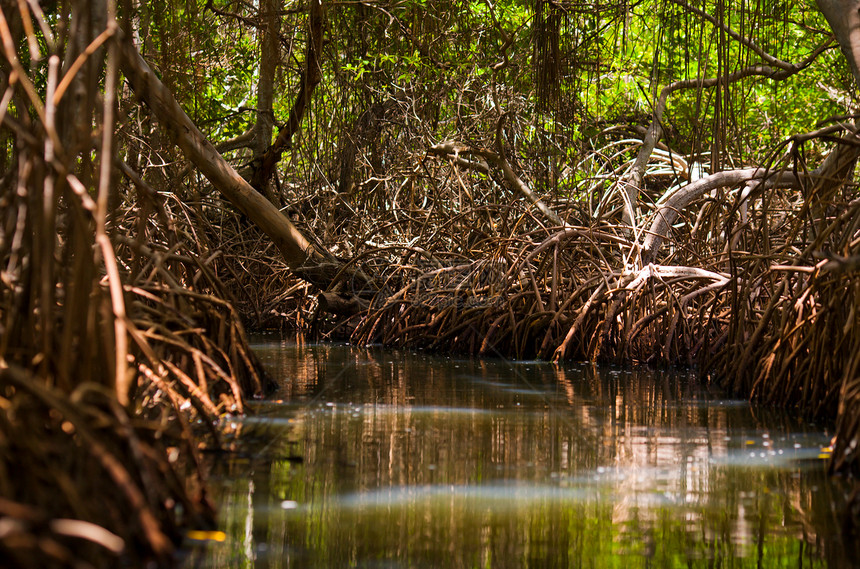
<point>668,186</point>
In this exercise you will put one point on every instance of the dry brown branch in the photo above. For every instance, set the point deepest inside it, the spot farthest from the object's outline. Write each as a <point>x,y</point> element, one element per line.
<point>452,151</point>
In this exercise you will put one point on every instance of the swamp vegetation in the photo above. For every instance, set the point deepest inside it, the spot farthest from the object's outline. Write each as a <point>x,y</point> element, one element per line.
<point>659,182</point>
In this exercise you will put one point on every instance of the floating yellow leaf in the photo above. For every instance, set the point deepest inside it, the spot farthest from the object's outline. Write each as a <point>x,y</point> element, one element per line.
<point>200,535</point>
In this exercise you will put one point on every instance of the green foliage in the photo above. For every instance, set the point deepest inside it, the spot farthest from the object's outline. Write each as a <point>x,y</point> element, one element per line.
<point>399,76</point>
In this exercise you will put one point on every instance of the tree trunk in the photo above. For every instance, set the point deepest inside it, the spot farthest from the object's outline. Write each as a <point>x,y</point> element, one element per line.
<point>269,57</point>
<point>263,171</point>
<point>844,19</point>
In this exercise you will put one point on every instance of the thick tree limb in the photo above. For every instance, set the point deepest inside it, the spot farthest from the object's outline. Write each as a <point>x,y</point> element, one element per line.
<point>835,168</point>
<point>313,264</point>
<point>844,19</point>
<point>669,212</point>
<point>295,248</point>
<point>244,140</point>
<point>269,58</point>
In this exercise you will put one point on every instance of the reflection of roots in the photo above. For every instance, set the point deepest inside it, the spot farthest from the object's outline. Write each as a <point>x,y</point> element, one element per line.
<point>774,321</point>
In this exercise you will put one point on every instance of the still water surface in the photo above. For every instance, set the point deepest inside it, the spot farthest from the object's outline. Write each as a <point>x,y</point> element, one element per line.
<point>376,459</point>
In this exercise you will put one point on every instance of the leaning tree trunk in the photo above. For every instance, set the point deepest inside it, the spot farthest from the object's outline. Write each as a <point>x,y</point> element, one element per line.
<point>316,266</point>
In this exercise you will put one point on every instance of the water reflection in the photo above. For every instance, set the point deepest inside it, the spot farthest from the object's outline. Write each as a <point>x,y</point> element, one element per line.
<point>374,459</point>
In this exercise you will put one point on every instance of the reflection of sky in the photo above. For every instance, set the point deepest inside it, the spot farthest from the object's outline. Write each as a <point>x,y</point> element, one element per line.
<point>437,443</point>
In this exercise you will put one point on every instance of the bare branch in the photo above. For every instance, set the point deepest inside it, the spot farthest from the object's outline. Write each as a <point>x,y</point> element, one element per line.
<point>452,150</point>
<point>633,181</point>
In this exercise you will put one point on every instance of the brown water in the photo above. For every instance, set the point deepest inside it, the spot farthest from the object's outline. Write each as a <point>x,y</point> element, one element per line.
<point>376,459</point>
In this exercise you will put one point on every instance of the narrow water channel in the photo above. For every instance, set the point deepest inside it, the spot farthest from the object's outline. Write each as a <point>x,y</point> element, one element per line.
<point>369,458</point>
